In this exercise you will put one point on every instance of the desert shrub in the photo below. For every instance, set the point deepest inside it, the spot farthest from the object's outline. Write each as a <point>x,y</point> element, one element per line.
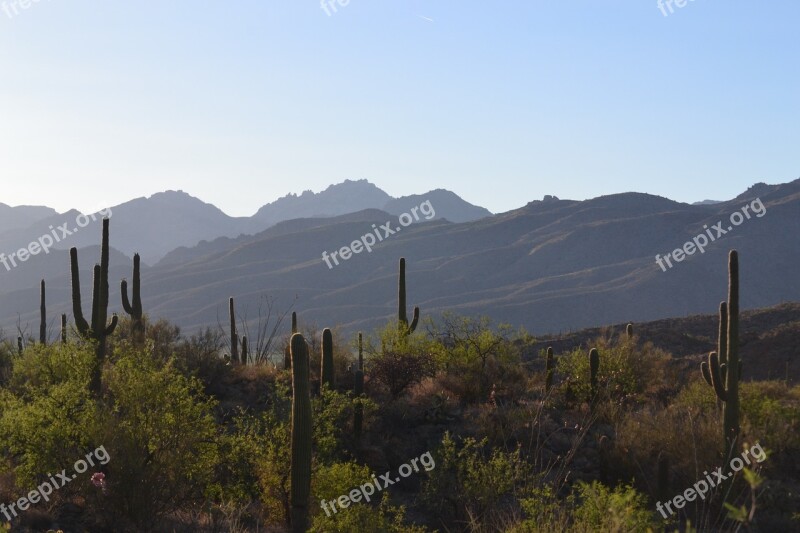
<point>47,412</point>
<point>627,371</point>
<point>468,481</point>
<point>161,435</point>
<point>691,442</point>
<point>153,423</point>
<point>590,507</point>
<point>476,358</point>
<point>339,479</point>
<point>618,510</point>
<point>396,362</point>
<point>771,412</point>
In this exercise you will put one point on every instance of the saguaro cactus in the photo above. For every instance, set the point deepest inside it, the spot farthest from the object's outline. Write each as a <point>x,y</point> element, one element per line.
<point>360,351</point>
<point>629,331</point>
<point>300,489</point>
<point>234,334</point>
<point>245,350</point>
<point>401,302</point>
<point>548,369</point>
<point>134,307</point>
<point>64,328</point>
<point>98,330</point>
<point>327,373</point>
<point>19,345</point>
<point>42,315</point>
<point>723,369</point>
<point>358,410</point>
<point>287,356</point>
<point>594,367</point>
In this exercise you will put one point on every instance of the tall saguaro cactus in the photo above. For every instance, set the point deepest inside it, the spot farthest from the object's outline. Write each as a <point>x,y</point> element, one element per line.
<point>358,409</point>
<point>723,369</point>
<point>234,334</point>
<point>134,306</point>
<point>42,315</point>
<point>327,373</point>
<point>99,330</point>
<point>360,351</point>
<point>548,369</point>
<point>245,350</point>
<point>401,302</point>
<point>300,489</point>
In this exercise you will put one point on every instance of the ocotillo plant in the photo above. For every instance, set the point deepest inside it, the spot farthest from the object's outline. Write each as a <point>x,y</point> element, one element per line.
<point>300,489</point>
<point>134,306</point>
<point>401,302</point>
<point>234,335</point>
<point>327,373</point>
<point>548,369</point>
<point>63,329</point>
<point>42,315</point>
<point>723,372</point>
<point>358,410</point>
<point>287,357</point>
<point>594,367</point>
<point>98,330</point>
<point>245,353</point>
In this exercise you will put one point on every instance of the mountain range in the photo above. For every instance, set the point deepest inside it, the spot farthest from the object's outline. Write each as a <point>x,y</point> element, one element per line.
<point>552,265</point>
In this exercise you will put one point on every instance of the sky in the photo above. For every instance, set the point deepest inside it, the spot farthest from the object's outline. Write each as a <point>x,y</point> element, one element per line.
<point>239,103</point>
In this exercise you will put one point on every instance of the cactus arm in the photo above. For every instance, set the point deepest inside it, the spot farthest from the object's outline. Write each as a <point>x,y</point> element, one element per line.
<point>415,320</point>
<point>706,373</point>
<point>126,305</point>
<point>111,326</point>
<point>80,322</point>
<point>716,376</point>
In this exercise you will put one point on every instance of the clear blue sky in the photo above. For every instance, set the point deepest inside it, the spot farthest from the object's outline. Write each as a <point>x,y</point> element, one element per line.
<point>239,103</point>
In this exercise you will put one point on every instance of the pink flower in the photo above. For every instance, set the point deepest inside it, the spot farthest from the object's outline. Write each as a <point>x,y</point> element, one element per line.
<point>99,479</point>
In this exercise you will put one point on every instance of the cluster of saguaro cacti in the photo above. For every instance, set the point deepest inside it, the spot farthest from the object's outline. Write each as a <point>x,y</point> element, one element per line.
<point>401,302</point>
<point>723,369</point>
<point>594,369</point>
<point>98,330</point>
<point>327,373</point>
<point>300,489</point>
<point>548,369</point>
<point>134,306</point>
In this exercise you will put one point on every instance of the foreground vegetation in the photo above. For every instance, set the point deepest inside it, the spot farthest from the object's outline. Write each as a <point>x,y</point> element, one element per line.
<point>217,433</point>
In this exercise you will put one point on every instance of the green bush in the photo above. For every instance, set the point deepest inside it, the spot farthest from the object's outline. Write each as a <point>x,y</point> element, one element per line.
<point>469,481</point>
<point>379,515</point>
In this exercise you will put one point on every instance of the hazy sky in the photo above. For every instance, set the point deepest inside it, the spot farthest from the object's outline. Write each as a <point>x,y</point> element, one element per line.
<point>241,102</point>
